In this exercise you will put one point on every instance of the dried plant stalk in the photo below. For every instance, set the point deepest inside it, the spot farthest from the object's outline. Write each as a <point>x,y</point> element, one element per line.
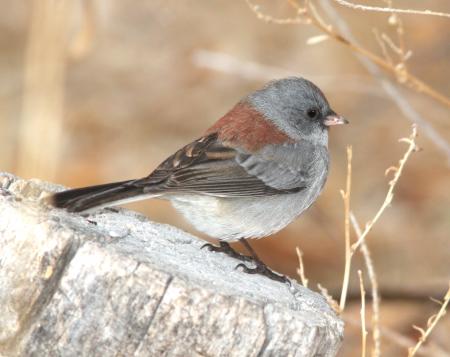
<point>432,350</point>
<point>307,14</point>
<point>375,324</point>
<point>391,10</point>
<point>391,90</point>
<point>348,256</point>
<point>301,268</point>
<point>350,249</point>
<point>40,129</point>
<point>333,303</point>
<point>432,322</point>
<point>363,315</point>
<point>390,194</point>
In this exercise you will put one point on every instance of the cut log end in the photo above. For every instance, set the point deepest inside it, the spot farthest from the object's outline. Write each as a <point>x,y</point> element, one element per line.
<point>115,283</point>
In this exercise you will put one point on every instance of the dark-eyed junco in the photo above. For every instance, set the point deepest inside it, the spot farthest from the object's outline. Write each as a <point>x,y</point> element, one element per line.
<point>254,171</point>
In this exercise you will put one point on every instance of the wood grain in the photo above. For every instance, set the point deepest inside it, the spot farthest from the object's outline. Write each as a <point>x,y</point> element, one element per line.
<point>116,284</point>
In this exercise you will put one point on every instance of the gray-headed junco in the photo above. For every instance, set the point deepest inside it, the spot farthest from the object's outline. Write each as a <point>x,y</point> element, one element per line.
<point>253,172</point>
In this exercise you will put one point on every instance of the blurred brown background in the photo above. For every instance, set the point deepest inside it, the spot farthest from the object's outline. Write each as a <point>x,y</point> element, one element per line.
<point>101,91</point>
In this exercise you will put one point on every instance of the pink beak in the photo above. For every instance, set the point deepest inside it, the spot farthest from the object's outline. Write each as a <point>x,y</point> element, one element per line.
<point>334,119</point>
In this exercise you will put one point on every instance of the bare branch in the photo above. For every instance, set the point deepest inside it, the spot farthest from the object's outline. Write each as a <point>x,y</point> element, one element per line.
<point>348,254</point>
<point>393,93</point>
<point>298,19</point>
<point>390,9</point>
<point>390,194</point>
<point>376,330</point>
<point>350,250</point>
<point>333,303</point>
<point>301,268</point>
<point>409,79</point>
<point>382,45</point>
<point>431,350</point>
<point>363,315</point>
<point>432,322</point>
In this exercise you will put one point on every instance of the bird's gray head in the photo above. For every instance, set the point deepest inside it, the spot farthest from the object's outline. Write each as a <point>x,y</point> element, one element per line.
<point>297,107</point>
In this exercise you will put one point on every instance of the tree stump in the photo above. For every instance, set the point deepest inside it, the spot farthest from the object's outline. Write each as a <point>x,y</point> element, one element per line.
<point>114,283</point>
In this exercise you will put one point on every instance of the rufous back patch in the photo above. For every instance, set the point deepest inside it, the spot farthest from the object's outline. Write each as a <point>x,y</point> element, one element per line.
<point>246,127</point>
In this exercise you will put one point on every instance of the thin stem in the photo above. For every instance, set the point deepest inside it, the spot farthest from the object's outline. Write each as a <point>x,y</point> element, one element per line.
<point>376,330</point>
<point>301,268</point>
<point>432,322</point>
<point>406,77</point>
<point>390,194</point>
<point>348,255</point>
<point>390,9</point>
<point>309,15</point>
<point>363,315</point>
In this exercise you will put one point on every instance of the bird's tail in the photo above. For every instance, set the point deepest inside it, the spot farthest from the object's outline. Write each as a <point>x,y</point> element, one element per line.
<point>85,198</point>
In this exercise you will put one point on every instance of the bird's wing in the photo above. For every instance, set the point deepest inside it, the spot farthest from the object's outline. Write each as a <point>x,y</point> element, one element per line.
<point>286,166</point>
<point>208,166</point>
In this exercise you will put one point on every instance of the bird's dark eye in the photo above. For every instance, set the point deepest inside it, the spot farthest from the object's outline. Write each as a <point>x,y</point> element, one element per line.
<point>312,113</point>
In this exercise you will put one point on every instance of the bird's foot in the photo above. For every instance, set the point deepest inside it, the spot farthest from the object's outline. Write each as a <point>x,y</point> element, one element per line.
<point>225,248</point>
<point>264,270</point>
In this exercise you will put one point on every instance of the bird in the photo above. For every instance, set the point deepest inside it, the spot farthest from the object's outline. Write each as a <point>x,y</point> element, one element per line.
<point>254,171</point>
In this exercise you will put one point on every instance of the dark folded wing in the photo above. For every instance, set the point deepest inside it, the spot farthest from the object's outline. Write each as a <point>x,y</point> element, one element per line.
<point>209,167</point>
<point>286,166</point>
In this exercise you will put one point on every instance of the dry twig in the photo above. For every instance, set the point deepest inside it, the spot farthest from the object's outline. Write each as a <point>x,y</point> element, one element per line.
<point>301,268</point>
<point>376,330</point>
<point>382,45</point>
<point>390,194</point>
<point>363,315</point>
<point>346,198</point>
<point>432,350</point>
<point>432,322</point>
<point>350,249</point>
<point>391,10</point>
<point>333,303</point>
<point>393,93</point>
<point>308,14</point>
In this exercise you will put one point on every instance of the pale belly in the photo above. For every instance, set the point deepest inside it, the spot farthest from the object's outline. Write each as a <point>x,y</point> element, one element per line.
<point>229,219</point>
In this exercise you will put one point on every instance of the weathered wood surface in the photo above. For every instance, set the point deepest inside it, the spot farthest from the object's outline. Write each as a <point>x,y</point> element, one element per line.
<point>116,284</point>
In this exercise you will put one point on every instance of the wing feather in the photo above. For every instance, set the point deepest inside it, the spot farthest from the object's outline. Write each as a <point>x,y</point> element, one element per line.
<point>210,167</point>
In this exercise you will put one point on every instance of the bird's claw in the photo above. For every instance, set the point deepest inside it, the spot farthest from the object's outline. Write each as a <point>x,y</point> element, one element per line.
<point>262,269</point>
<point>225,248</point>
